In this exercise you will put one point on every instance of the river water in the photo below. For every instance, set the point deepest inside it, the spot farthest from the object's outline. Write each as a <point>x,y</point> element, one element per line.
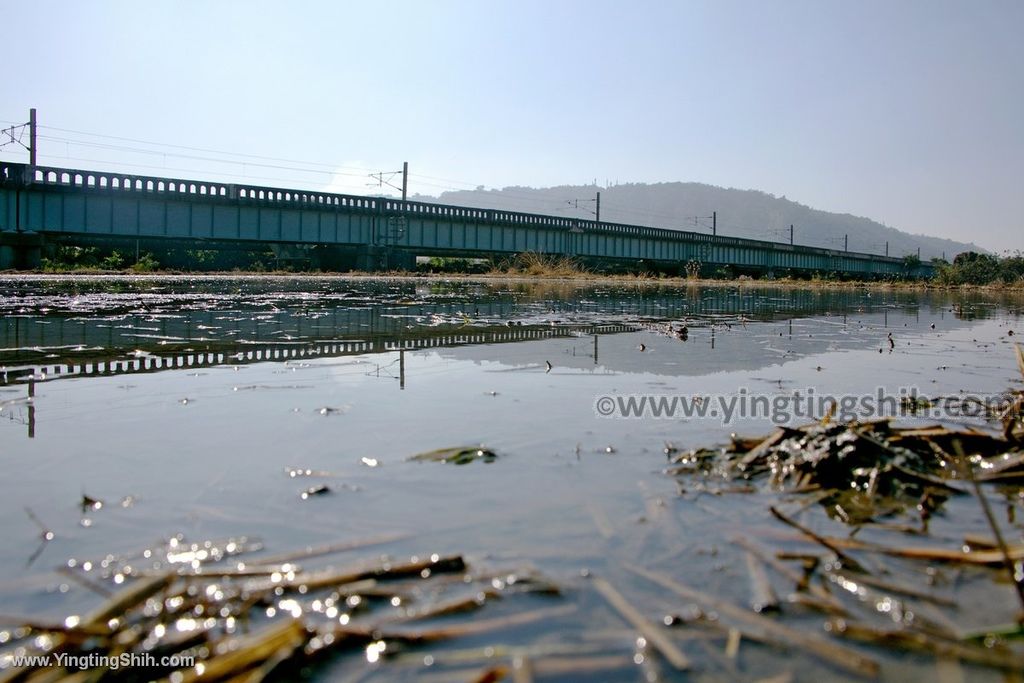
<point>189,405</point>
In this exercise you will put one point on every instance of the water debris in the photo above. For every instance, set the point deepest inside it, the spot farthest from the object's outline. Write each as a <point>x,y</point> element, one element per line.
<point>997,657</point>
<point>89,503</point>
<point>890,586</point>
<point>762,595</point>
<point>865,473</point>
<point>318,490</point>
<point>760,628</point>
<point>45,536</point>
<point>846,559</point>
<point>44,531</point>
<point>648,629</point>
<point>459,455</point>
<point>250,620</point>
<point>331,410</point>
<point>869,469</point>
<point>801,580</point>
<point>370,462</point>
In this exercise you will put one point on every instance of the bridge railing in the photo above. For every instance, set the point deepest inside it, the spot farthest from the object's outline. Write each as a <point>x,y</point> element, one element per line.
<point>22,174</point>
<point>268,194</point>
<point>44,175</point>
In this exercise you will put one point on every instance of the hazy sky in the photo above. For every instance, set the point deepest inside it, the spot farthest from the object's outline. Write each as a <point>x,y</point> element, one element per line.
<point>910,112</point>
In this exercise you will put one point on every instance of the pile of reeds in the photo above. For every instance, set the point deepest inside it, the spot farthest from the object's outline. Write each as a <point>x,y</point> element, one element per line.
<point>225,611</point>
<point>887,592</point>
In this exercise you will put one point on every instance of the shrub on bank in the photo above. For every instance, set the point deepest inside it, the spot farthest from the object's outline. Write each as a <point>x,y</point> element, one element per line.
<point>973,268</point>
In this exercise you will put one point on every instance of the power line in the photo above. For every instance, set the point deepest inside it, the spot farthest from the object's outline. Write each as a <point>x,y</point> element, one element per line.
<point>120,164</point>
<point>152,152</point>
<point>197,149</point>
<point>549,203</point>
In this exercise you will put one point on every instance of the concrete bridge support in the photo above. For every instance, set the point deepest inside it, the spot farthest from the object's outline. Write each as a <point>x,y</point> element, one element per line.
<point>368,258</point>
<point>20,250</point>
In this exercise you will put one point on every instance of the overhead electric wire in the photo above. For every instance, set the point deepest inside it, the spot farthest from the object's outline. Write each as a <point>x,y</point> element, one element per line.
<point>175,169</point>
<point>544,203</point>
<point>197,149</point>
<point>550,204</point>
<point>154,152</point>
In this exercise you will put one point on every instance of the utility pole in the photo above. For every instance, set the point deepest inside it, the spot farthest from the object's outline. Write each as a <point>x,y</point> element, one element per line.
<point>405,179</point>
<point>32,137</point>
<point>887,248</point>
<point>575,203</point>
<point>919,253</point>
<point>15,134</point>
<point>714,222</point>
<point>846,243</point>
<point>791,234</point>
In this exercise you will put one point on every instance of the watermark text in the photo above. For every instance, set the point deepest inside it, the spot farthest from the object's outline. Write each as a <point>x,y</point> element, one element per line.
<point>798,405</point>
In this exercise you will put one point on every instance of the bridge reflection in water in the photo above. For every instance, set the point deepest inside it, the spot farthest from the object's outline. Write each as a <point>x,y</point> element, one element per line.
<point>67,329</point>
<point>145,361</point>
<point>100,364</point>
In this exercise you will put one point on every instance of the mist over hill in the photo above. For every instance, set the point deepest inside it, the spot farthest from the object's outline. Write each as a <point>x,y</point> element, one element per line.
<point>689,206</point>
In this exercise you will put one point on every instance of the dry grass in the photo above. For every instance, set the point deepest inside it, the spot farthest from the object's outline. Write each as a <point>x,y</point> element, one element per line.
<point>541,265</point>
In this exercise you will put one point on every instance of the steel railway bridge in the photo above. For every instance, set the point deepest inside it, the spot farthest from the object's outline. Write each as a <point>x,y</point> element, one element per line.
<point>43,205</point>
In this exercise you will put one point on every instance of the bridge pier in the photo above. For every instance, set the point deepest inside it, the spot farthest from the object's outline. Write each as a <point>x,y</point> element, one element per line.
<point>366,258</point>
<point>20,250</point>
<point>334,259</point>
<point>291,253</point>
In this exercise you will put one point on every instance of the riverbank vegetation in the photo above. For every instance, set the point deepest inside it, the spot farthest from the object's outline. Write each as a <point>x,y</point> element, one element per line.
<point>973,268</point>
<point>969,269</point>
